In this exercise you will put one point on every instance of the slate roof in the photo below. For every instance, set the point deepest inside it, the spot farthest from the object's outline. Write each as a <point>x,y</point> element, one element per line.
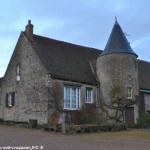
<point>144,74</point>
<point>64,60</point>
<point>76,63</point>
<point>117,42</point>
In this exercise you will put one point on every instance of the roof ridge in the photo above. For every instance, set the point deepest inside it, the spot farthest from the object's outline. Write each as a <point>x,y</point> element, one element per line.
<point>44,37</point>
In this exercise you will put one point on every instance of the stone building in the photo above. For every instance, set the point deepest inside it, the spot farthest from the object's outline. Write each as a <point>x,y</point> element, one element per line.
<point>59,82</point>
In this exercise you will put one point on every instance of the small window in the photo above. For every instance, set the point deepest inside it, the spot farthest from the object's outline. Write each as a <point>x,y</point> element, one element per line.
<point>18,73</point>
<point>129,93</point>
<point>129,77</point>
<point>10,99</point>
<point>89,95</point>
<point>71,97</point>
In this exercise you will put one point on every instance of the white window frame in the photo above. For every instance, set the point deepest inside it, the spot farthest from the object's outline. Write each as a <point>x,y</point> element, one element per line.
<point>88,95</point>
<point>129,92</point>
<point>71,97</point>
<point>18,73</point>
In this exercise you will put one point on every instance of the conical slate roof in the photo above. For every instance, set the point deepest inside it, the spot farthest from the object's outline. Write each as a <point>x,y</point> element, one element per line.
<point>117,42</point>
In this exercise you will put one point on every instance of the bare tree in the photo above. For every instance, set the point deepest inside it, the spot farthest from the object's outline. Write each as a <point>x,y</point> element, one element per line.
<point>114,108</point>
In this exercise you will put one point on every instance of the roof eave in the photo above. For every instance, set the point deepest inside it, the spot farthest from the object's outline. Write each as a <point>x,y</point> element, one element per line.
<point>118,53</point>
<point>73,80</point>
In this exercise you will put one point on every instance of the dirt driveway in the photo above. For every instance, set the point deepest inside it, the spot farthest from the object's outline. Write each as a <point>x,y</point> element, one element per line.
<point>21,138</point>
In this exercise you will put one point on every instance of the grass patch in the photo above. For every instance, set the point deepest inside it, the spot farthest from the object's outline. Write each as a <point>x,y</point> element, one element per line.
<point>134,133</point>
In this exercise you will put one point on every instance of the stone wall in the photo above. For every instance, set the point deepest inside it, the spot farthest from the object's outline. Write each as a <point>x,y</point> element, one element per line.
<point>37,95</point>
<point>116,72</point>
<point>31,92</point>
<point>58,95</point>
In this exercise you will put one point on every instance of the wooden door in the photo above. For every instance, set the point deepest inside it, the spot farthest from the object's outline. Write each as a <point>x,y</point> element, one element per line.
<point>129,116</point>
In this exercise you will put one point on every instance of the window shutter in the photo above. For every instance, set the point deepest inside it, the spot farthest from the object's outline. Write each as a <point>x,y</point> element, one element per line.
<point>6,99</point>
<point>13,99</point>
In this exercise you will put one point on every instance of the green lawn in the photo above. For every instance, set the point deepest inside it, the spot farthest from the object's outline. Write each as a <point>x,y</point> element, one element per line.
<point>132,133</point>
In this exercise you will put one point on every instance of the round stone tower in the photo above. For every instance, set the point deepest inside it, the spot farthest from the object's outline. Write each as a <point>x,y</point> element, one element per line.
<point>117,72</point>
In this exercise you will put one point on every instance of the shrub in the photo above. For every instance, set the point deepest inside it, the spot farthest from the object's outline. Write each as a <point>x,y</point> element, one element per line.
<point>144,121</point>
<point>85,128</point>
<point>58,127</point>
<point>49,127</point>
<point>96,128</point>
<point>73,128</point>
<point>119,127</point>
<point>88,118</point>
<point>1,120</point>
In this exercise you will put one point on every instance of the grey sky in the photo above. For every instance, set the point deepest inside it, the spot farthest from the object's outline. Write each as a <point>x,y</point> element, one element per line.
<point>83,22</point>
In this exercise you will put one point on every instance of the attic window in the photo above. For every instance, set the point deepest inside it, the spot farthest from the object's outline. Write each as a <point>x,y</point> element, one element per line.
<point>10,99</point>
<point>18,73</point>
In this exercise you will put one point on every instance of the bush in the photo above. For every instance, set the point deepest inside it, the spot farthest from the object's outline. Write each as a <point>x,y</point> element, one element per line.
<point>119,127</point>
<point>49,127</point>
<point>144,121</point>
<point>73,128</point>
<point>85,128</point>
<point>105,127</point>
<point>96,128</point>
<point>58,127</point>
<point>1,120</point>
<point>88,119</point>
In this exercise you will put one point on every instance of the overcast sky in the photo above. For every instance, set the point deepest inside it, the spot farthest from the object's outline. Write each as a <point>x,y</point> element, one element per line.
<point>82,22</point>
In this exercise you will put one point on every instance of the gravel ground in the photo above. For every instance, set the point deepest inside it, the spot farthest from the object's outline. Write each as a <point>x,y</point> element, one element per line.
<point>15,138</point>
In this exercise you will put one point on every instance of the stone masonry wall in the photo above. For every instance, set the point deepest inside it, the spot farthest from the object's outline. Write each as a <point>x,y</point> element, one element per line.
<point>58,95</point>
<point>117,70</point>
<point>31,92</point>
<point>37,95</point>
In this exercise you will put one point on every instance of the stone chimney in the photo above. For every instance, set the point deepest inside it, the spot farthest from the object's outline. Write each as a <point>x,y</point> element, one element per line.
<point>29,30</point>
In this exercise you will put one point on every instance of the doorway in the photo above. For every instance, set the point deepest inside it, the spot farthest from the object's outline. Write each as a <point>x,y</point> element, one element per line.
<point>129,116</point>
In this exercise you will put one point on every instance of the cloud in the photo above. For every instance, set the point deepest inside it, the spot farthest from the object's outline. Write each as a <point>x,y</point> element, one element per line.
<point>83,22</point>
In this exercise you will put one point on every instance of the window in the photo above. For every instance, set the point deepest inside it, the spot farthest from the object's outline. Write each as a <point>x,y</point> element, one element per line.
<point>71,97</point>
<point>89,95</point>
<point>129,92</point>
<point>10,99</point>
<point>18,73</point>
<point>129,77</point>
